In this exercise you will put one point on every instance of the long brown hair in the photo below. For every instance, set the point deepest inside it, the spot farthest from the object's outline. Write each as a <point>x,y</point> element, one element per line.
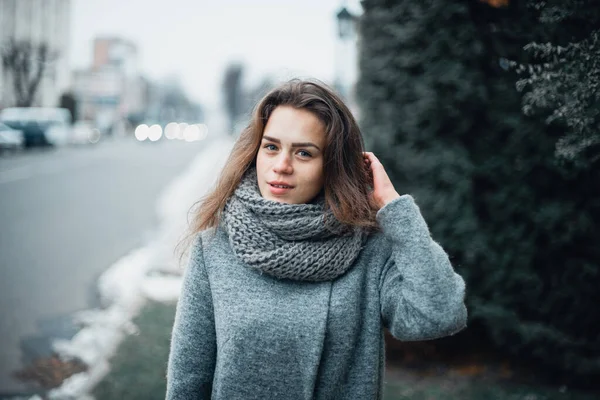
<point>347,182</point>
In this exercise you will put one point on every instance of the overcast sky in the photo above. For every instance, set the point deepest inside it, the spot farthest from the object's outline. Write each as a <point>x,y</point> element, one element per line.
<point>195,39</point>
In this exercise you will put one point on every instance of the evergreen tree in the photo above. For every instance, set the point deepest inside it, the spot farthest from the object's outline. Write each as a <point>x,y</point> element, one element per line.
<point>562,82</point>
<point>419,78</point>
<point>440,109</point>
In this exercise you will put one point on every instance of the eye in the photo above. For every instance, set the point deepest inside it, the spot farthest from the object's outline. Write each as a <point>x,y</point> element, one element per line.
<point>304,153</point>
<point>271,147</point>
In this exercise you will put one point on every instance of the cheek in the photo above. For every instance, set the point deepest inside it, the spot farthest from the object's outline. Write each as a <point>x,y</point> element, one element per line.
<point>260,161</point>
<point>317,176</point>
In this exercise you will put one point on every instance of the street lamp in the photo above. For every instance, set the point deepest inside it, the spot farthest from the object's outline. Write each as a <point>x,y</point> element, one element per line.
<point>345,24</point>
<point>345,54</point>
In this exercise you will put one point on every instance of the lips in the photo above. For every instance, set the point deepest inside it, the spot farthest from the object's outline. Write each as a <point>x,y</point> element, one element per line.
<point>278,188</point>
<point>280,185</point>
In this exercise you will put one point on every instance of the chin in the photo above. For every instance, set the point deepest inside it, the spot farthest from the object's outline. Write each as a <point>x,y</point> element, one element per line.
<point>270,197</point>
<point>277,199</point>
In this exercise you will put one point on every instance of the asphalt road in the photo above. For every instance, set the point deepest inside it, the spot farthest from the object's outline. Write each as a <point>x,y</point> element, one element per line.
<point>66,215</point>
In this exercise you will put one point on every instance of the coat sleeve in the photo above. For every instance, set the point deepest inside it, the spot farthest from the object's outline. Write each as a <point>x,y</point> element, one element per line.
<point>421,296</point>
<point>192,354</point>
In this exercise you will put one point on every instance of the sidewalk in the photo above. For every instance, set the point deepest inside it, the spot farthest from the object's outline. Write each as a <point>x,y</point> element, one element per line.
<point>151,272</point>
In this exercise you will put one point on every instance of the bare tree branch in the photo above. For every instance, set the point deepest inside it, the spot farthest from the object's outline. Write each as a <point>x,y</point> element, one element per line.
<point>27,64</point>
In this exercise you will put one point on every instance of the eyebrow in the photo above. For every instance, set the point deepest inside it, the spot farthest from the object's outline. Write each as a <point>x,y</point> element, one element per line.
<point>304,144</point>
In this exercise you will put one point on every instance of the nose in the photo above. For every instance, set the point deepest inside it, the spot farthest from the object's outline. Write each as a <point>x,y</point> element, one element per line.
<point>283,164</point>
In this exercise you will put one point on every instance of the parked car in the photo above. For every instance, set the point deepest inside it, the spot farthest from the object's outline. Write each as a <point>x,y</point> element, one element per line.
<point>11,139</point>
<point>40,125</point>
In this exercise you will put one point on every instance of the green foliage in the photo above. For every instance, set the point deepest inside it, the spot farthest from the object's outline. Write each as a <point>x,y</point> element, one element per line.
<point>415,91</point>
<point>441,110</point>
<point>562,81</point>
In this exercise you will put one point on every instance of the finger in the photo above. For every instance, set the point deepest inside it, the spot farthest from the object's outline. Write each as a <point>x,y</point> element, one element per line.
<point>369,155</point>
<point>373,160</point>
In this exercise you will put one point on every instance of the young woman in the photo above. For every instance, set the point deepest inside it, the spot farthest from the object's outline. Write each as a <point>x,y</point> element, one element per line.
<point>302,254</point>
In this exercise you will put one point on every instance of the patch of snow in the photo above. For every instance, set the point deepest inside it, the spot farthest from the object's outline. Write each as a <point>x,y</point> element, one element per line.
<point>119,285</point>
<point>162,288</point>
<point>77,386</point>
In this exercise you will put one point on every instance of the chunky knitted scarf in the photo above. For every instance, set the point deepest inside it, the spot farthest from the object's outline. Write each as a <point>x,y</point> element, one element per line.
<point>302,242</point>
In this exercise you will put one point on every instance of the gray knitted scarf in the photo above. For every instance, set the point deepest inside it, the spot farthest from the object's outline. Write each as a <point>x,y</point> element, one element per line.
<point>302,242</point>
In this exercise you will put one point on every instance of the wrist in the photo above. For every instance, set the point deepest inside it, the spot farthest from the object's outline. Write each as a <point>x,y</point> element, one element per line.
<point>388,199</point>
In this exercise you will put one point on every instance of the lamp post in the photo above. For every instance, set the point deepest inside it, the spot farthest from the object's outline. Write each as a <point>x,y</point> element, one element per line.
<point>345,22</point>
<point>345,58</point>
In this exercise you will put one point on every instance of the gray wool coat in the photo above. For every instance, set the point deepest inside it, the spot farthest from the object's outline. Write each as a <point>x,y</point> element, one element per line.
<point>240,334</point>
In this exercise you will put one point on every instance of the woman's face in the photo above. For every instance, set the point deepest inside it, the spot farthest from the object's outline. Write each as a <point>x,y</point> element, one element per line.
<point>289,163</point>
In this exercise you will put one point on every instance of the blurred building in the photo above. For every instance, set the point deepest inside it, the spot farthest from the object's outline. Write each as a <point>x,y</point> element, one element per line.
<point>112,89</point>
<point>37,22</point>
<point>168,102</point>
<point>346,56</point>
